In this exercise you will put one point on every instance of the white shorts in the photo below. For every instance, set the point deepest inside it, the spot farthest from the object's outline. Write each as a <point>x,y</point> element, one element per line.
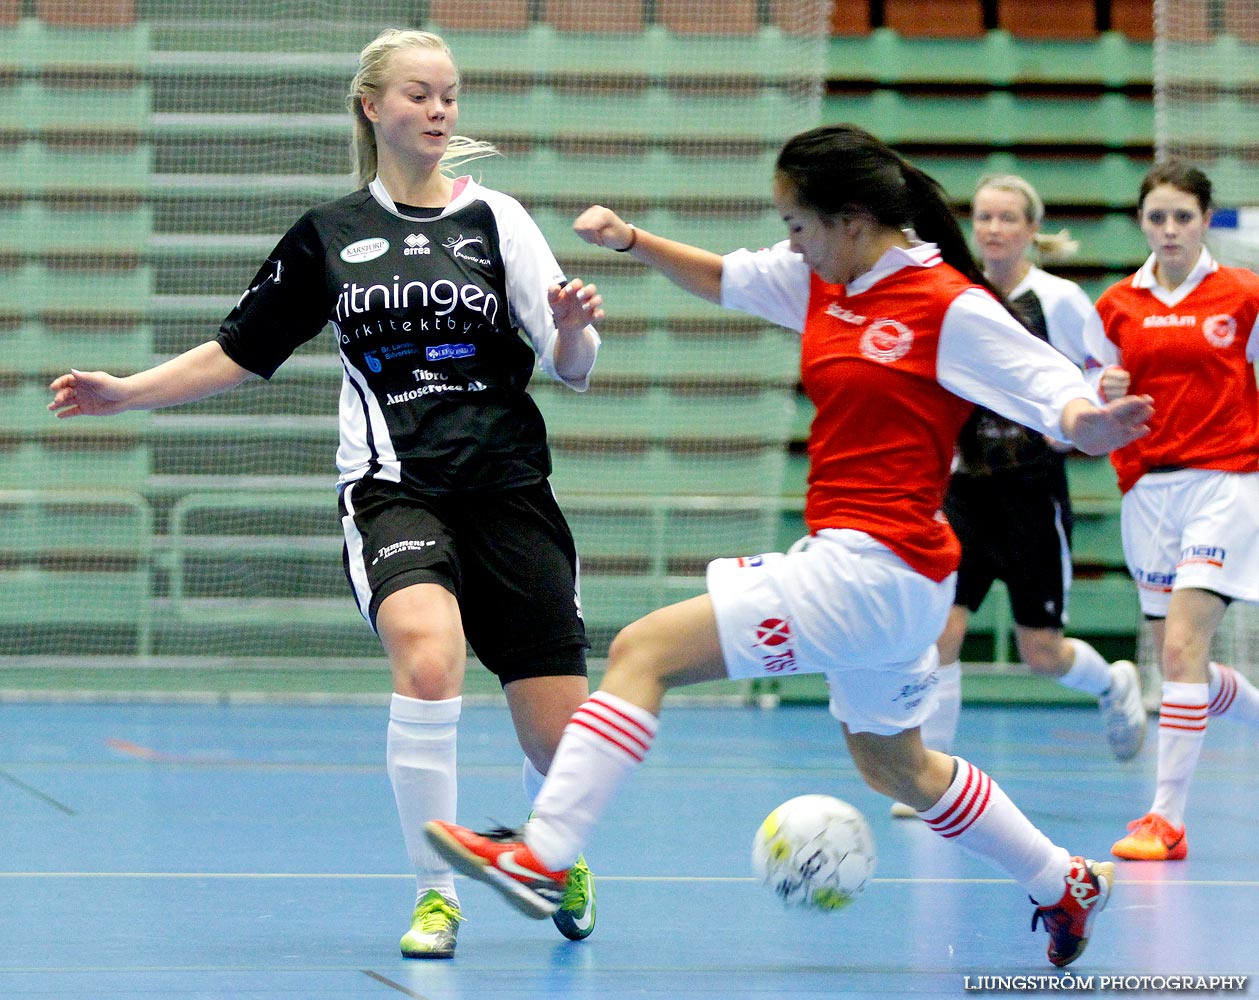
<point>845,606</point>
<point>1192,528</point>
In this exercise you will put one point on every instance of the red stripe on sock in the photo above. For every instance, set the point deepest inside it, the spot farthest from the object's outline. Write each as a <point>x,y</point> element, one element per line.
<point>646,732</point>
<point>615,727</point>
<point>943,818</point>
<point>1187,718</point>
<point>1188,713</point>
<point>1223,699</point>
<point>624,747</point>
<point>973,800</point>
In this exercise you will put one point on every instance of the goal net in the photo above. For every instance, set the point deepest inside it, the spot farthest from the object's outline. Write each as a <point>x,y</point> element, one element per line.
<point>1206,93</point>
<point>155,152</point>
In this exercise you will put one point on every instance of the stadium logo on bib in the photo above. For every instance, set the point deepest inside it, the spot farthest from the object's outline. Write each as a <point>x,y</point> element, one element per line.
<point>886,340</point>
<point>1220,330</point>
<point>365,250</point>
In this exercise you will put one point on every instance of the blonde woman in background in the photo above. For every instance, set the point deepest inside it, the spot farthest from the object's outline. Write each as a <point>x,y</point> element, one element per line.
<point>1008,501</point>
<point>443,297</point>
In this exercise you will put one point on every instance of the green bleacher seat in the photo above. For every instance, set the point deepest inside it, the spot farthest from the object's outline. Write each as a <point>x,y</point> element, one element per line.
<point>35,45</point>
<point>1108,120</point>
<point>83,291</point>
<point>703,468</point>
<point>995,622</point>
<point>995,58</point>
<point>1113,241</point>
<point>35,168</point>
<point>1096,541</point>
<point>256,556</point>
<point>36,227</point>
<point>1108,180</point>
<point>733,350</point>
<point>76,559</point>
<point>744,411</point>
<point>654,175</point>
<point>649,297</point>
<point>1105,605</point>
<point>35,349</point>
<point>1092,482</point>
<point>60,459</point>
<point>706,226</point>
<point>611,601</point>
<point>660,536</point>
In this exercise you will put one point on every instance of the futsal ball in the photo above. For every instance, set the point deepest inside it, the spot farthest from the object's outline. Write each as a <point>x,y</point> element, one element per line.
<point>814,852</point>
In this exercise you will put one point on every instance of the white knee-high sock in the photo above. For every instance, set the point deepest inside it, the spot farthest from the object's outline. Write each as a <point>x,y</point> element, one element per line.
<point>940,730</point>
<point>420,758</point>
<point>1089,671</point>
<point>1232,696</point>
<point>603,744</point>
<point>980,818</point>
<point>1182,728</point>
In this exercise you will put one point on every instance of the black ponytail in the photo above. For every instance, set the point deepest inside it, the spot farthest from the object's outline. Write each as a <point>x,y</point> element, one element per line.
<point>843,168</point>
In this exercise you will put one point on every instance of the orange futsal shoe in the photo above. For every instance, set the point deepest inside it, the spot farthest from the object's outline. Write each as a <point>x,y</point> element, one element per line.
<point>502,860</point>
<point>1070,920</point>
<point>1152,838</point>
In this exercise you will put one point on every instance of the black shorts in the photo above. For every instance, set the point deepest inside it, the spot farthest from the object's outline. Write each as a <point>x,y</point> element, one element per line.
<point>507,556</point>
<point>1017,530</point>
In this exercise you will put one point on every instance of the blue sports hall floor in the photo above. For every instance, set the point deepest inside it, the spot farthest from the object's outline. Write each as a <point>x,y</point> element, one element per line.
<point>252,851</point>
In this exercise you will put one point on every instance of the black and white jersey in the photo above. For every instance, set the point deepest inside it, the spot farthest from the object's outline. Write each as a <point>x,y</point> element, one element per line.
<point>1055,310</point>
<point>429,315</point>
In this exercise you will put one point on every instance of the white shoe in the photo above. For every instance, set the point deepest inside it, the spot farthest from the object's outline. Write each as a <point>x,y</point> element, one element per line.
<point>902,811</point>
<point>1123,711</point>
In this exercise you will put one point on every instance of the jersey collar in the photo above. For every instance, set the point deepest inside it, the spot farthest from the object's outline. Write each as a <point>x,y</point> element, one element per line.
<point>893,260</point>
<point>1144,278</point>
<point>464,187</point>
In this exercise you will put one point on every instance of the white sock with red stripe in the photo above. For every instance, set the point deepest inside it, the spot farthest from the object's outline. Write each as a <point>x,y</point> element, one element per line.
<point>1182,727</point>
<point>1232,695</point>
<point>980,818</point>
<point>603,744</point>
<point>420,759</point>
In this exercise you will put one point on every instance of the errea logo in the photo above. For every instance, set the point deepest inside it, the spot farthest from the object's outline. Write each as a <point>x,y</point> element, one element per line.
<point>365,250</point>
<point>416,243</point>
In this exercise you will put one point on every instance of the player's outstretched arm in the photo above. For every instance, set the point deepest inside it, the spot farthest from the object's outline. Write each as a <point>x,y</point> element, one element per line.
<point>1096,430</point>
<point>695,269</point>
<point>202,371</point>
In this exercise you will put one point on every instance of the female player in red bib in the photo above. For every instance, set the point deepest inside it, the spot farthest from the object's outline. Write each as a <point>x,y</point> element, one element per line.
<point>1183,331</point>
<point>900,337</point>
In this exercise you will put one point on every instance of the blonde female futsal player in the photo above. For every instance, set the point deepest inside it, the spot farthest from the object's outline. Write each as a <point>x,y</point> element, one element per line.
<point>451,530</point>
<point>899,338</point>
<point>1183,330</point>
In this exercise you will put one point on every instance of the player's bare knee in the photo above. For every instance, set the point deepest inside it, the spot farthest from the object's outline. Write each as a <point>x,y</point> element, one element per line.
<point>636,651</point>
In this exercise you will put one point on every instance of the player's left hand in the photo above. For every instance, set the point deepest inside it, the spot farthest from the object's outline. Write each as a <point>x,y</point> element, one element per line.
<point>1097,430</point>
<point>575,306</point>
